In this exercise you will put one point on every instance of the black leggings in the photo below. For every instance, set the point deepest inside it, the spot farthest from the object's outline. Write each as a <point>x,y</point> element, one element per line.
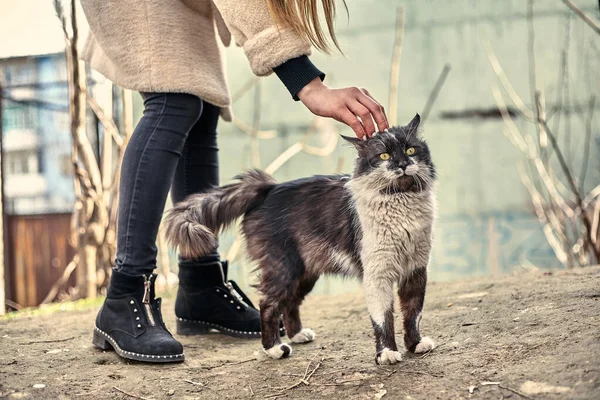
<point>174,146</point>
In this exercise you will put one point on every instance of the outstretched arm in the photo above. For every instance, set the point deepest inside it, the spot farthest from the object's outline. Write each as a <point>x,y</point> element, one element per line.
<point>269,48</point>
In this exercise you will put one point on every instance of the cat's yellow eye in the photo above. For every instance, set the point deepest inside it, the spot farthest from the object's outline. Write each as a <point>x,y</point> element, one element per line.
<point>410,151</point>
<point>384,156</point>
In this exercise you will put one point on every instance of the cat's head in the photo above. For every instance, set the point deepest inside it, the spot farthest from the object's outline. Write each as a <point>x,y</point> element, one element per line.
<point>395,161</point>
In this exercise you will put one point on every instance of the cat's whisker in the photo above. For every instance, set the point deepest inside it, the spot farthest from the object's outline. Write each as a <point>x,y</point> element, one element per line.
<point>418,182</point>
<point>425,180</point>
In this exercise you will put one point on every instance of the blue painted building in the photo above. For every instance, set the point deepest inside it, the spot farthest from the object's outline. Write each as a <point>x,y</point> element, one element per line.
<point>36,137</point>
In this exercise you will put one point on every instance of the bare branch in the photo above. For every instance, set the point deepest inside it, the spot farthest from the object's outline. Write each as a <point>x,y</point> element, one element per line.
<point>595,192</point>
<point>516,138</point>
<point>245,88</point>
<point>560,86</point>
<point>595,226</point>
<point>340,165</point>
<point>395,67</point>
<point>587,144</point>
<point>256,126</point>
<point>581,15</point>
<point>543,141</point>
<point>77,83</point>
<point>587,223</point>
<point>163,256</point>
<point>553,227</point>
<point>108,123</point>
<point>284,157</point>
<point>235,248</point>
<point>62,280</point>
<point>537,201</point>
<point>332,141</point>
<point>247,129</point>
<point>435,91</point>
<point>512,93</point>
<point>559,154</point>
<point>60,13</point>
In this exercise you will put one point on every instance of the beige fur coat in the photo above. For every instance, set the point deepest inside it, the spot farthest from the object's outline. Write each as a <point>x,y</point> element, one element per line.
<point>177,45</point>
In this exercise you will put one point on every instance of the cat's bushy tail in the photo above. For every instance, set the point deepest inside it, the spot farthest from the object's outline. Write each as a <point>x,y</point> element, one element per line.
<point>193,224</point>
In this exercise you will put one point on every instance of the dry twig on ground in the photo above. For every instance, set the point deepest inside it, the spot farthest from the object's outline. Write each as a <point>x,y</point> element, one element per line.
<point>130,394</point>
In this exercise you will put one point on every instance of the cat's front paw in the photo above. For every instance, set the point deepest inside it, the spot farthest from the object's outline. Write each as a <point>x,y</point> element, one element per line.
<point>388,357</point>
<point>426,344</point>
<point>280,350</point>
<point>304,336</point>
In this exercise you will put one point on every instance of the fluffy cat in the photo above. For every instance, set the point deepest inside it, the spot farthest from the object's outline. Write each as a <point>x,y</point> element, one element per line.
<point>375,225</point>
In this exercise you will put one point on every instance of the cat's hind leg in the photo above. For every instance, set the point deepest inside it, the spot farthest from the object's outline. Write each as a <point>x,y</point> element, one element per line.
<point>291,312</point>
<point>269,326</point>
<point>411,291</point>
<point>279,281</point>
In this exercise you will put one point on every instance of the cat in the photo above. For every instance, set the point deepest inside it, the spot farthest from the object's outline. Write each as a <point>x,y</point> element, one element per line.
<point>375,225</point>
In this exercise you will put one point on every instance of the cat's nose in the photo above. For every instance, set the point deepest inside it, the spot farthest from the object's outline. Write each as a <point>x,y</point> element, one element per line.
<point>403,164</point>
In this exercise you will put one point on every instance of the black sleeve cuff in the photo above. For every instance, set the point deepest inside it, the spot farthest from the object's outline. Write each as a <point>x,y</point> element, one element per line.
<point>297,73</point>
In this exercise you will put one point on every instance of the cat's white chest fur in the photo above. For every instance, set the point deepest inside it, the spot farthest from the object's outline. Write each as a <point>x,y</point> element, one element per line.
<point>396,229</point>
<point>396,239</point>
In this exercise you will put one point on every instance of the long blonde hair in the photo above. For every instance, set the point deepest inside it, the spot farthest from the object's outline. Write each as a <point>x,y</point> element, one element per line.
<point>303,17</point>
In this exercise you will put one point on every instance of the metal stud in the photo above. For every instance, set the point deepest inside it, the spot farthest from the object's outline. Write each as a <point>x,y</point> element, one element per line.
<point>231,301</point>
<point>239,308</point>
<point>131,302</point>
<point>135,310</point>
<point>137,318</point>
<point>224,295</point>
<point>139,326</point>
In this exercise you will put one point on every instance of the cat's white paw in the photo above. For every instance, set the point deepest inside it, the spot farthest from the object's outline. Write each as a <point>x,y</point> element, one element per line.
<point>388,356</point>
<point>304,336</point>
<point>280,350</point>
<point>425,345</point>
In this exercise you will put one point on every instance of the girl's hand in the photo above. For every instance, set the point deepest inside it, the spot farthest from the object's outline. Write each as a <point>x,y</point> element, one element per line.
<point>345,105</point>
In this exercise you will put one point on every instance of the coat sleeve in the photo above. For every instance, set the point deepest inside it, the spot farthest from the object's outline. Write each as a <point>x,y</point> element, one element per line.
<point>266,46</point>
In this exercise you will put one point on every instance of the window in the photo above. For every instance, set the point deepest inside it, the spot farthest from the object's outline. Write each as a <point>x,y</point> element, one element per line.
<point>22,74</point>
<point>19,117</point>
<point>22,162</point>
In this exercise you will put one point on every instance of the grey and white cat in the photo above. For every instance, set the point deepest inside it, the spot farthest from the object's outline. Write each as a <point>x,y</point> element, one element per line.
<point>375,225</point>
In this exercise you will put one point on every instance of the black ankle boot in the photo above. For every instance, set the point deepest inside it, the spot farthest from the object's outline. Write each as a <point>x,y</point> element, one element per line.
<point>131,323</point>
<point>207,301</point>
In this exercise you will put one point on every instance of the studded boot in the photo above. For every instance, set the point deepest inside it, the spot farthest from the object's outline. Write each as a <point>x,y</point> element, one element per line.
<point>207,301</point>
<point>130,322</point>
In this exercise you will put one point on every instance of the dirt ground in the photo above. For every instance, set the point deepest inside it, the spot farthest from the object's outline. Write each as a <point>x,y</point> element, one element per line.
<point>530,335</point>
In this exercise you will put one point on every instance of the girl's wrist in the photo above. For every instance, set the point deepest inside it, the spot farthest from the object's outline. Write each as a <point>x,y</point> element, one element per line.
<point>297,73</point>
<point>313,86</point>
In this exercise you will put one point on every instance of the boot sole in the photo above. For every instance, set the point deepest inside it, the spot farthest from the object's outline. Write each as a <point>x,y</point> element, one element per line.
<point>102,340</point>
<point>190,327</point>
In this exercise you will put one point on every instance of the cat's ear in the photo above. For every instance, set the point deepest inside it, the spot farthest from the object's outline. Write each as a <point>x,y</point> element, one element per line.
<point>356,142</point>
<point>413,125</point>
